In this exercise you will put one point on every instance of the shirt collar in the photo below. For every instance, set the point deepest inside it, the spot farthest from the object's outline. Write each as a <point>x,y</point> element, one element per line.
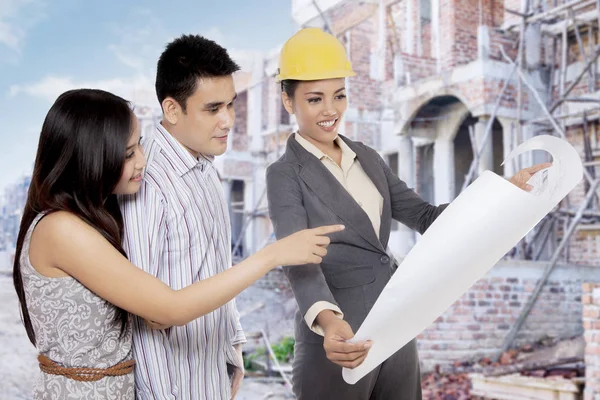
<point>347,152</point>
<point>181,159</point>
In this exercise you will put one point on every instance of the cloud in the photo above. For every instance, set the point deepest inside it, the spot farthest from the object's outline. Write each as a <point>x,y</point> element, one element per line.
<point>17,18</point>
<point>138,48</point>
<point>141,43</point>
<point>138,88</point>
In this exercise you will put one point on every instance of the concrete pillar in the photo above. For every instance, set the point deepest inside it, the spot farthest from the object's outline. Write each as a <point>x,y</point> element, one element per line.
<point>254,235</point>
<point>533,50</point>
<point>227,185</point>
<point>443,167</point>
<point>409,42</point>
<point>528,132</point>
<point>486,158</point>
<point>508,139</point>
<point>259,228</point>
<point>406,172</point>
<point>483,42</point>
<point>254,120</point>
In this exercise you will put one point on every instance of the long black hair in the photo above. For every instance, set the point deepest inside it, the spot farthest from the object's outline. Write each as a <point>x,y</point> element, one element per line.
<point>80,158</point>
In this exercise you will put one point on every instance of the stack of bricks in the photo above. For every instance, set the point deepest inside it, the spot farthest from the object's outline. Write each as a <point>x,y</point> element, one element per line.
<point>591,325</point>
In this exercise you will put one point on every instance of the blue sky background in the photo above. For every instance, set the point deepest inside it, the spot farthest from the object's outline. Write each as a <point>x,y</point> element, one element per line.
<point>47,47</point>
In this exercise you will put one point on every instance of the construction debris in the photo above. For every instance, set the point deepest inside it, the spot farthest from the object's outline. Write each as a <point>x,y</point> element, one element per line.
<point>513,387</point>
<point>439,386</point>
<point>551,366</point>
<point>542,362</point>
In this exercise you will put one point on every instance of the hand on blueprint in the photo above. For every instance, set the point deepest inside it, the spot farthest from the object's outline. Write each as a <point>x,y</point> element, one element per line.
<point>338,350</point>
<point>490,213</point>
<point>523,176</point>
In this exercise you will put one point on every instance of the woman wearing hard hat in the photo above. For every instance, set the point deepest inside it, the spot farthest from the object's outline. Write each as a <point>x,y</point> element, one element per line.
<point>322,179</point>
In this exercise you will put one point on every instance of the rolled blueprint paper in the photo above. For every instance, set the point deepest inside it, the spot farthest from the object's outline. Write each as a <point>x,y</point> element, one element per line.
<point>474,232</point>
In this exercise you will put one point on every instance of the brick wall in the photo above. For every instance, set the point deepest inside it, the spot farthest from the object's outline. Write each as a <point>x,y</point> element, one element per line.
<point>514,5</point>
<point>447,30</point>
<point>465,39</point>
<point>418,68</point>
<point>459,20</point>
<point>491,91</point>
<point>508,40</point>
<point>591,325</point>
<point>476,325</point>
<point>364,91</point>
<point>426,48</point>
<point>398,12</point>
<point>368,133</point>
<point>496,12</point>
<point>238,169</point>
<point>241,113</point>
<point>458,30</point>
<point>240,130</point>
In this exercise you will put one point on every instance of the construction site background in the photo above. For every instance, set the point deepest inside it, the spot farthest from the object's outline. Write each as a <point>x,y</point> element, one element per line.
<point>444,90</point>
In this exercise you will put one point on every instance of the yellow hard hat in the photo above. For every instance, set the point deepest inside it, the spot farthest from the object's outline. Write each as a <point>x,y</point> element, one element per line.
<point>312,54</point>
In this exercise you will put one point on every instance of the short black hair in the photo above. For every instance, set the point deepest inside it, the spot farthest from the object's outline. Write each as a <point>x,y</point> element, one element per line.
<point>186,60</point>
<point>289,86</point>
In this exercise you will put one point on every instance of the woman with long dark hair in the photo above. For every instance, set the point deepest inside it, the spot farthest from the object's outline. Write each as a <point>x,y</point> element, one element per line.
<point>74,282</point>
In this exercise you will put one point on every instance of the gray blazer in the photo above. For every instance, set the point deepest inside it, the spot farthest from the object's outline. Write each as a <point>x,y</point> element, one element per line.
<point>302,193</point>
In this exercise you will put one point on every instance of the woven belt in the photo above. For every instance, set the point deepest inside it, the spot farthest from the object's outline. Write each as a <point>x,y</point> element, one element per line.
<point>84,374</point>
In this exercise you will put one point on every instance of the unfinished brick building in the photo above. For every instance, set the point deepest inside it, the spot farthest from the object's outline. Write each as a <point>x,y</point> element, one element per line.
<point>434,79</point>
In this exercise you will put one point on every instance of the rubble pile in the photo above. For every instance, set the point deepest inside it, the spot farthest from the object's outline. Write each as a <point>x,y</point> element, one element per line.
<point>545,359</point>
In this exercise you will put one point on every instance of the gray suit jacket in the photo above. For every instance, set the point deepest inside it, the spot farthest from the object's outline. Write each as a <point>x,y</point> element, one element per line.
<point>302,193</point>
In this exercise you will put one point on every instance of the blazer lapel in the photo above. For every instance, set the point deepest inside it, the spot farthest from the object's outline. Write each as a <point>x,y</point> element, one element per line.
<point>334,195</point>
<point>374,171</point>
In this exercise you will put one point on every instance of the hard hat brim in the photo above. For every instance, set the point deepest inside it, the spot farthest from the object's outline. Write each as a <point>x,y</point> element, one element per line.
<point>316,76</point>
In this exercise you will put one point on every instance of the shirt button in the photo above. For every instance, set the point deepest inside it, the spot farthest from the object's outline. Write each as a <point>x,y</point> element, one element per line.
<point>384,259</point>
<point>360,203</point>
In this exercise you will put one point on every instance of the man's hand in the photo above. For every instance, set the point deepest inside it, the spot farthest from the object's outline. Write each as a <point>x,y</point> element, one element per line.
<point>520,178</point>
<point>337,349</point>
<point>238,374</point>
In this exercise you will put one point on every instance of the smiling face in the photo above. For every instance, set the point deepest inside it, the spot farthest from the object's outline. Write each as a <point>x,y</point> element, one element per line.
<point>135,161</point>
<point>319,107</point>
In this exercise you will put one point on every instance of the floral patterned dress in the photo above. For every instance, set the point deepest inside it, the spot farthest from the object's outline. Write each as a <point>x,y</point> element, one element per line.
<point>74,328</point>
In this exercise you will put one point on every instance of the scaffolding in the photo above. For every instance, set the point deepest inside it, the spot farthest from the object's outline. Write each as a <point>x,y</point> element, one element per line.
<point>570,15</point>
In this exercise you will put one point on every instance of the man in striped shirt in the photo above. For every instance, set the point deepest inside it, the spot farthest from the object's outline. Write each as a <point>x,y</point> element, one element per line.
<point>177,226</point>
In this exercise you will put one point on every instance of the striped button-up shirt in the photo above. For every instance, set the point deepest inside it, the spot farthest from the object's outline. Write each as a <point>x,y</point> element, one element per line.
<point>177,229</point>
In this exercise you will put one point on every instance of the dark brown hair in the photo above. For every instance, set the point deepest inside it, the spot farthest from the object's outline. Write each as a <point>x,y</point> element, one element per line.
<point>289,86</point>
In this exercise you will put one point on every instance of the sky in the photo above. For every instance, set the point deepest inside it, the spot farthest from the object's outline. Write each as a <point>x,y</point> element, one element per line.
<point>48,47</point>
